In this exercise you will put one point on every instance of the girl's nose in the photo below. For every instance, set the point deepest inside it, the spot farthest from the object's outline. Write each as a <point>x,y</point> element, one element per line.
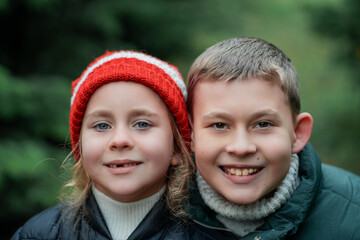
<point>241,145</point>
<point>121,139</point>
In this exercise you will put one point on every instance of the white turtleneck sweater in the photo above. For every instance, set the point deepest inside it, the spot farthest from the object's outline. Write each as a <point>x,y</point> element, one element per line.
<point>243,219</point>
<point>123,218</point>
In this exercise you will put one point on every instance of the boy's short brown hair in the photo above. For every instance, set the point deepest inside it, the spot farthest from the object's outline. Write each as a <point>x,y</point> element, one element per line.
<point>244,58</point>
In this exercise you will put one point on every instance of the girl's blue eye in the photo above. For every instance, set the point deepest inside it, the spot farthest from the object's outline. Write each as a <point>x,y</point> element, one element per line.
<point>142,124</point>
<point>220,125</point>
<point>102,126</point>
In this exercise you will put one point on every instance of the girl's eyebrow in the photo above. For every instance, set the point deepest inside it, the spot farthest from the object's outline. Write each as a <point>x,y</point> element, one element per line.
<point>137,112</point>
<point>99,113</point>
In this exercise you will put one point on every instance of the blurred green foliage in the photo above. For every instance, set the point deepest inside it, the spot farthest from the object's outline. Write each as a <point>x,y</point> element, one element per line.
<point>340,22</point>
<point>45,44</point>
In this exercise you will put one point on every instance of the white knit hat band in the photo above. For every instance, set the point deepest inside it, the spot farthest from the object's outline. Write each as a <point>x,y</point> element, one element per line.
<point>173,74</point>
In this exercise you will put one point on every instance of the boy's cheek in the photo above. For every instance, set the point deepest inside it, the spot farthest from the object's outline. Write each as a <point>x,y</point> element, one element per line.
<point>206,141</point>
<point>206,152</point>
<point>203,161</point>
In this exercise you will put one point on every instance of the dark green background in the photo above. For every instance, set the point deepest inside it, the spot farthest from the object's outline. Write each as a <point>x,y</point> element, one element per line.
<point>45,44</point>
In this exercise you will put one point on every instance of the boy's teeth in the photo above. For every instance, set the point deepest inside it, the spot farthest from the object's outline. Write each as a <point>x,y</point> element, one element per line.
<point>241,172</point>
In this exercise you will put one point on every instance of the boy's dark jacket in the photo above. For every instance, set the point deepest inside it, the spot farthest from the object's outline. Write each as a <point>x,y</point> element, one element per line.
<point>326,205</point>
<point>54,224</point>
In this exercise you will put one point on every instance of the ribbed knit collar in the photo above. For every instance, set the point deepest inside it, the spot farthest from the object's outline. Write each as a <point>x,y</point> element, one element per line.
<point>242,219</point>
<point>123,218</point>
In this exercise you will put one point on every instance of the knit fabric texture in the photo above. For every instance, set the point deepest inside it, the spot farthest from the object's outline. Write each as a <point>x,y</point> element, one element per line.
<point>123,218</point>
<point>243,219</point>
<point>161,77</point>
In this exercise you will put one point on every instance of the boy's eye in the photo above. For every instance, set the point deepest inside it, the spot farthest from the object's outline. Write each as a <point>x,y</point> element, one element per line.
<point>219,126</point>
<point>263,125</point>
<point>102,126</point>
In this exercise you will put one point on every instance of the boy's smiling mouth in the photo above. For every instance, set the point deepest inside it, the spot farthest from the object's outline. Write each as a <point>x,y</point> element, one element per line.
<point>244,171</point>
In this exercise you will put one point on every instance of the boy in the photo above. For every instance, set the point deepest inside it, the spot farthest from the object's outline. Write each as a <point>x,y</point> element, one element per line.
<point>257,175</point>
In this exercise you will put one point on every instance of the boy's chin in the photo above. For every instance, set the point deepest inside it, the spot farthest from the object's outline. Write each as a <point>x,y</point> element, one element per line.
<point>241,198</point>
<point>241,201</point>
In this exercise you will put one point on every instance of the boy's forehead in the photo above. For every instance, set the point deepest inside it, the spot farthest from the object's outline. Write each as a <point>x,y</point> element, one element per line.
<point>212,84</point>
<point>221,89</point>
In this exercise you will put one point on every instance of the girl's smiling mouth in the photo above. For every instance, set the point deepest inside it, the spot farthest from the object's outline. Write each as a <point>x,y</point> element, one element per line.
<point>122,165</point>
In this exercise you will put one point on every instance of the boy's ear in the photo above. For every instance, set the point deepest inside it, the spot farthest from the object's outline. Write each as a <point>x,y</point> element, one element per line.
<point>303,128</point>
<point>192,145</point>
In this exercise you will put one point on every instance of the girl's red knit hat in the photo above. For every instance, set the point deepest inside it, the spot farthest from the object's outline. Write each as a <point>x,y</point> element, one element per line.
<point>161,77</point>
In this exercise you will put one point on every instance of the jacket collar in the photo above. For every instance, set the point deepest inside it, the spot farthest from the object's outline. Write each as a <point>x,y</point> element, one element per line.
<point>155,222</point>
<point>201,214</point>
<point>286,221</point>
<point>95,217</point>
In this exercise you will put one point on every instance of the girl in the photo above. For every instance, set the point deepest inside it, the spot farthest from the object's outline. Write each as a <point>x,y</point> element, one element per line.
<point>129,134</point>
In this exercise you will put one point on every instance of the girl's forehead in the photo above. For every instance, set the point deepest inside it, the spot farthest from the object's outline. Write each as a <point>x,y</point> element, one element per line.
<point>126,98</point>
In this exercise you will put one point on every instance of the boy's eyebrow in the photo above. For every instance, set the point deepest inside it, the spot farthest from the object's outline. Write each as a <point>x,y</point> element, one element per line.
<point>265,113</point>
<point>215,114</point>
<point>227,116</point>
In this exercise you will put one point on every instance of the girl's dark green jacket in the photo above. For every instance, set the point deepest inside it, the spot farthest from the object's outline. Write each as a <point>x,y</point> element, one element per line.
<point>326,205</point>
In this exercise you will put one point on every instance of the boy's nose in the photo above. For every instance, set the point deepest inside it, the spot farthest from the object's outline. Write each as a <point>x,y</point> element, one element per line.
<point>241,145</point>
<point>121,139</point>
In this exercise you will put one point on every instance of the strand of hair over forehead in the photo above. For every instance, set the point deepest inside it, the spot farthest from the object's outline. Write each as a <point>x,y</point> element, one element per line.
<point>175,75</point>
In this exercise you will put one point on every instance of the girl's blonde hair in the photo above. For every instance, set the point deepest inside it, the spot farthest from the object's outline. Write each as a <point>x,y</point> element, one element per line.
<point>78,188</point>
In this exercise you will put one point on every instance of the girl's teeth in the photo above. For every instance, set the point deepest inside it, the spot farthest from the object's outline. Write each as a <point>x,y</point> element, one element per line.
<point>122,165</point>
<point>129,164</point>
